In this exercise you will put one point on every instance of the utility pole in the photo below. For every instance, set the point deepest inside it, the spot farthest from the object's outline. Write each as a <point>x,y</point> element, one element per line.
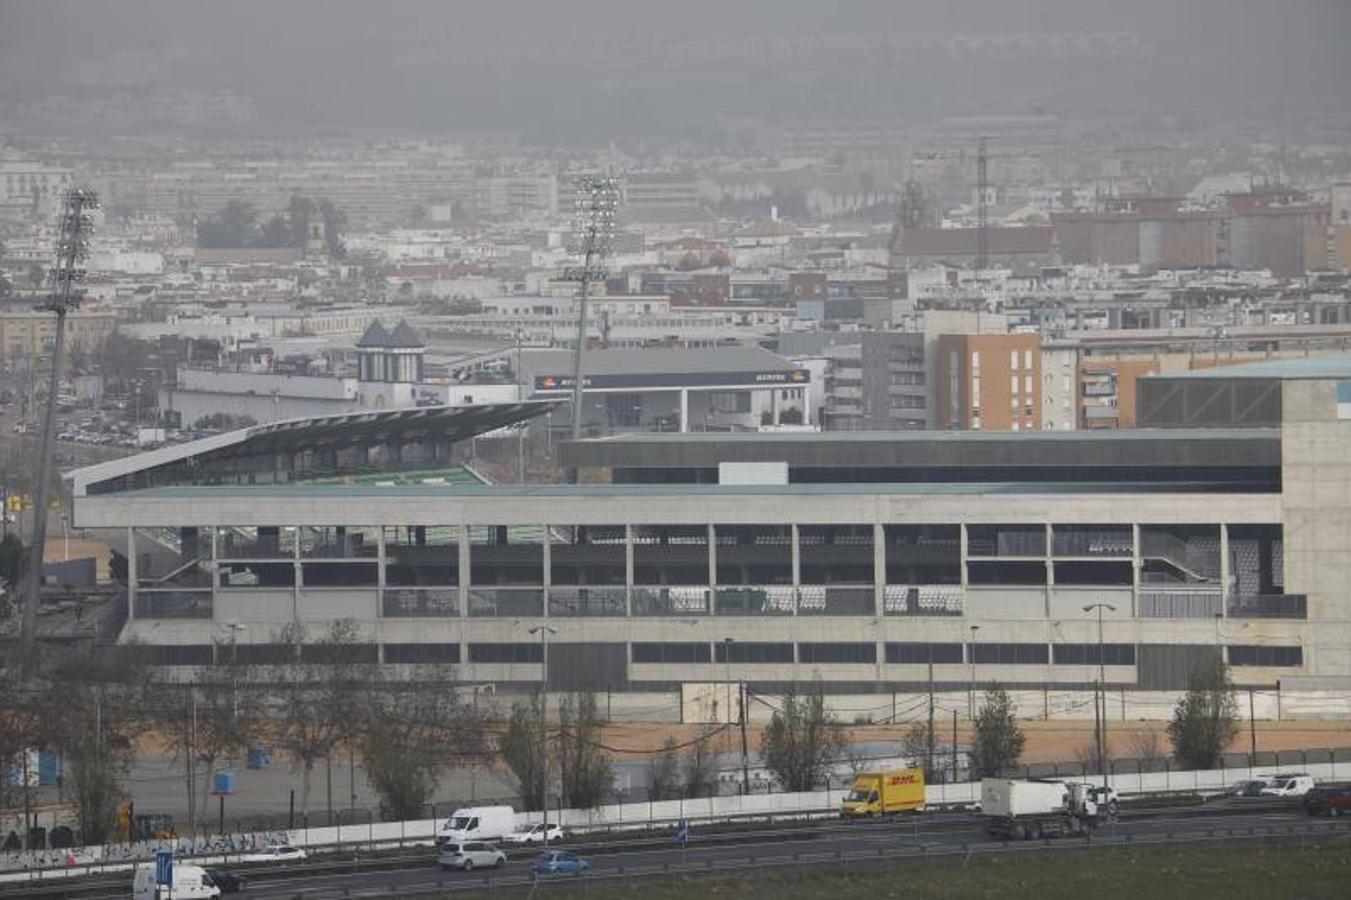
<point>544,631</point>
<point>1252,728</point>
<point>929,738</point>
<point>745,753</point>
<point>72,248</point>
<point>596,204</point>
<point>954,746</point>
<point>1101,690</point>
<point>982,207</point>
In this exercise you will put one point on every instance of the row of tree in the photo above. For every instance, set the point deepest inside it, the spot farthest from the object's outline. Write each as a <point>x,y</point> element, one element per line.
<point>237,224</point>
<point>322,696</point>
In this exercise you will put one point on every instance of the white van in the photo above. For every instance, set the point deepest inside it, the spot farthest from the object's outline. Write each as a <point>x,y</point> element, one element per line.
<point>1288,784</point>
<point>190,883</point>
<point>478,823</point>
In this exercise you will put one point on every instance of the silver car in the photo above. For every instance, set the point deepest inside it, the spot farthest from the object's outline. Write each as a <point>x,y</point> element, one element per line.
<point>471,855</point>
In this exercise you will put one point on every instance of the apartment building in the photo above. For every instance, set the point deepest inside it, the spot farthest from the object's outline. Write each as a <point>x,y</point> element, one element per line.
<point>988,382</point>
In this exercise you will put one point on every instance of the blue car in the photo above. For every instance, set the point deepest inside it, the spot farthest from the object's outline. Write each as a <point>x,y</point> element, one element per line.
<point>560,862</point>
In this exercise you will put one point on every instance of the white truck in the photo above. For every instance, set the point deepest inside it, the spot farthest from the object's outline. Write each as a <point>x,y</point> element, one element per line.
<point>190,883</point>
<point>1027,810</point>
<point>477,823</point>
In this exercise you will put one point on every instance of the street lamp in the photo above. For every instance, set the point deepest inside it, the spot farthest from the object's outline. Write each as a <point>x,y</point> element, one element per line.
<point>544,631</point>
<point>971,682</point>
<point>1100,727</point>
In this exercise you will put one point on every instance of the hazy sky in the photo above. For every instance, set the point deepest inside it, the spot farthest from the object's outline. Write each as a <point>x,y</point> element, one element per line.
<point>626,66</point>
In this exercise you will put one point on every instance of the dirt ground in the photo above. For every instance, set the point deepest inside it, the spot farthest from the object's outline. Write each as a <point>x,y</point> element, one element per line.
<point>1046,741</point>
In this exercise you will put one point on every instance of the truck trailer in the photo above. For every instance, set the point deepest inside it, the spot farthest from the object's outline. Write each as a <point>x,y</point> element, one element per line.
<point>877,794</point>
<point>1025,810</point>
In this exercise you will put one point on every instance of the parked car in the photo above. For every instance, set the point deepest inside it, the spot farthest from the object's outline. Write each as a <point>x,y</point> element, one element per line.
<point>1329,800</point>
<point>1289,785</point>
<point>274,853</point>
<point>228,882</point>
<point>470,855</point>
<point>560,862</point>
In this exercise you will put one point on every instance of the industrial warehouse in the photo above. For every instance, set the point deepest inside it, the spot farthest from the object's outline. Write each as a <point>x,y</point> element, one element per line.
<point>863,561</point>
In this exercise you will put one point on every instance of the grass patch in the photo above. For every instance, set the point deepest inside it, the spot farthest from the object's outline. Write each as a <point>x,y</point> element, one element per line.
<point>1238,871</point>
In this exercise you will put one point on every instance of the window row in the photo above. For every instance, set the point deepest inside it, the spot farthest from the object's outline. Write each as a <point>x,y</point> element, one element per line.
<point>686,652</point>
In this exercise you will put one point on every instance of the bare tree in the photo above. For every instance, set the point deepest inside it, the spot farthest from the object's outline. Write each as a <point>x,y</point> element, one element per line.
<point>410,732</point>
<point>214,717</point>
<point>524,747</point>
<point>584,769</point>
<point>1146,748</point>
<point>918,744</point>
<point>315,701</point>
<point>664,772</point>
<point>94,705</point>
<point>698,765</point>
<point>801,741</point>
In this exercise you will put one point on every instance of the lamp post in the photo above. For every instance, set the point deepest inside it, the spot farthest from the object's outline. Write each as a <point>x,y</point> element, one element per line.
<point>971,681</point>
<point>1102,690</point>
<point>544,631</point>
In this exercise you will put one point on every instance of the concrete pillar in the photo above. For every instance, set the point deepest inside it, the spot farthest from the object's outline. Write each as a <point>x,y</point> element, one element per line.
<point>1225,574</point>
<point>131,576</point>
<point>628,570</point>
<point>879,568</point>
<point>380,570</point>
<point>1050,568</point>
<point>463,548</point>
<point>548,565</point>
<point>774,406</point>
<point>1136,565</point>
<point>712,569</point>
<point>795,554</point>
<point>684,410</point>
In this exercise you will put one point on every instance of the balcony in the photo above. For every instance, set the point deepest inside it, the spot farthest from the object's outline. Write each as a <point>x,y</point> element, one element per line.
<point>1269,606</point>
<point>758,600</point>
<point>504,602</point>
<point>421,603</point>
<point>1180,604</point>
<point>587,601</point>
<point>670,600</point>
<point>922,600</point>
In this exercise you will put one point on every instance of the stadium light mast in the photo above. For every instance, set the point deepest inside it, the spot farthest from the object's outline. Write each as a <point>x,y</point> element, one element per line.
<point>595,206</point>
<point>72,248</point>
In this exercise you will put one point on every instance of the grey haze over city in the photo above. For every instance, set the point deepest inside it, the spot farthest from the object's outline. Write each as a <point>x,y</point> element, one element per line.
<point>695,70</point>
<point>747,448</point>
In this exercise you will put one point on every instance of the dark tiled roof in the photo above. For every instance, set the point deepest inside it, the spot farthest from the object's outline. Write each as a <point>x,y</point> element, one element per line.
<point>375,336</point>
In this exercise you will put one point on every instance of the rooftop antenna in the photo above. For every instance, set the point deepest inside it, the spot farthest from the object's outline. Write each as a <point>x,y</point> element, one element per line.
<point>595,206</point>
<point>72,248</point>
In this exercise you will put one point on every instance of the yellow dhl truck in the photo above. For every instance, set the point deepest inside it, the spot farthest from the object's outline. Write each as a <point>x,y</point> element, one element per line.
<point>885,793</point>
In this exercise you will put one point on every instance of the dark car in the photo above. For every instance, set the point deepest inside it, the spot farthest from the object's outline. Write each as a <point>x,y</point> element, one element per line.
<point>1247,788</point>
<point>1328,800</point>
<point>228,882</point>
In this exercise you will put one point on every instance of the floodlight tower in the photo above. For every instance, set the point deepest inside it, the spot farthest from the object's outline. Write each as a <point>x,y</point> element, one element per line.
<point>982,207</point>
<point>595,206</point>
<point>72,248</point>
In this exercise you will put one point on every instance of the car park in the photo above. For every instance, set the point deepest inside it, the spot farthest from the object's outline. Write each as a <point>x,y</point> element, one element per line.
<point>1328,800</point>
<point>560,862</point>
<point>535,834</point>
<point>470,855</point>
<point>275,853</point>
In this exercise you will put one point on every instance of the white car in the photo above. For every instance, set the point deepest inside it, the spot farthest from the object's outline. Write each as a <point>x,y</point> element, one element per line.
<point>1288,785</point>
<point>471,855</point>
<point>534,834</point>
<point>274,853</point>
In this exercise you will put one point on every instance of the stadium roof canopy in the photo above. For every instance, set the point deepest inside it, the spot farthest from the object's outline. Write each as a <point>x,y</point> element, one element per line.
<point>327,446</point>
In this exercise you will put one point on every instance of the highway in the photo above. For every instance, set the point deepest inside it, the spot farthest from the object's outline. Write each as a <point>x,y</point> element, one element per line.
<point>839,842</point>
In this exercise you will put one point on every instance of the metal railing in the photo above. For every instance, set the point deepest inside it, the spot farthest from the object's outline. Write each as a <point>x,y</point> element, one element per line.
<point>603,600</point>
<point>443,602</point>
<point>1269,606</point>
<point>506,601</point>
<point>1180,604</point>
